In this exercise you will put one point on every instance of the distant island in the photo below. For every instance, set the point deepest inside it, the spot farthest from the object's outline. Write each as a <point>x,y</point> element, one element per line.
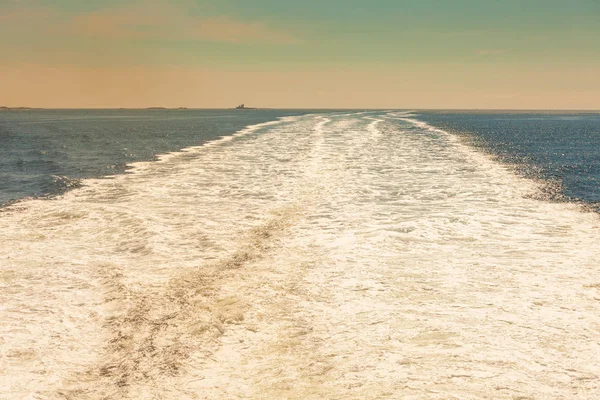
<point>4,108</point>
<point>243,107</point>
<point>165,108</point>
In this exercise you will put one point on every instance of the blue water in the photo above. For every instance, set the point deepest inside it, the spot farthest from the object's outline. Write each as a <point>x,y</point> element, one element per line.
<point>563,149</point>
<point>45,152</point>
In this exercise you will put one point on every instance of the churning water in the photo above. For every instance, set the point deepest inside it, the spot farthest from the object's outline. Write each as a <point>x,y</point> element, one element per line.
<point>342,255</point>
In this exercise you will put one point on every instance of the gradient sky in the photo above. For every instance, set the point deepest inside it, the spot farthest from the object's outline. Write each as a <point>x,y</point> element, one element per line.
<point>305,53</point>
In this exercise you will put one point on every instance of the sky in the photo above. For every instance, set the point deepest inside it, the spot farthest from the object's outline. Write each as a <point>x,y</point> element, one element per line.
<point>474,54</point>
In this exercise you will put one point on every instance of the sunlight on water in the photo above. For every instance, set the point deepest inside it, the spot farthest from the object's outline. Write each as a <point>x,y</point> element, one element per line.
<point>340,256</point>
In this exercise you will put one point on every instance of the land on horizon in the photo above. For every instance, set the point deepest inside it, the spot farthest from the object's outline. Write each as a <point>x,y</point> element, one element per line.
<point>416,109</point>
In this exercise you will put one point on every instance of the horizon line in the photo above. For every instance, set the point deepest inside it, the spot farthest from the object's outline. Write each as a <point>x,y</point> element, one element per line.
<point>184,108</point>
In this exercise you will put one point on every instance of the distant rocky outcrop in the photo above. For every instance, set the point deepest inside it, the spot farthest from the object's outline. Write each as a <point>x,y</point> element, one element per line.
<point>243,107</point>
<point>4,108</point>
<point>166,108</point>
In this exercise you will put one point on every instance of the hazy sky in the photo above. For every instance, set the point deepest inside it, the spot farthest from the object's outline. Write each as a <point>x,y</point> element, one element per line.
<point>303,53</point>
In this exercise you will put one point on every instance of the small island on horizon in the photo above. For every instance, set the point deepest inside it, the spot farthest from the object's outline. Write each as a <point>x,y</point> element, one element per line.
<point>165,108</point>
<point>5,108</point>
<point>243,107</point>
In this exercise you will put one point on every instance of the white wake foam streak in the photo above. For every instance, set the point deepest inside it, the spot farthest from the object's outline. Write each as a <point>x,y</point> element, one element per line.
<point>71,266</point>
<point>421,271</point>
<point>327,256</point>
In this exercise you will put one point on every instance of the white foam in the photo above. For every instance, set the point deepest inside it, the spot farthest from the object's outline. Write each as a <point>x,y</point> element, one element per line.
<point>324,256</point>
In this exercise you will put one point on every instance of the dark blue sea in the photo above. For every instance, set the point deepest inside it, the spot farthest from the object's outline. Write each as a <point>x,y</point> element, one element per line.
<point>561,148</point>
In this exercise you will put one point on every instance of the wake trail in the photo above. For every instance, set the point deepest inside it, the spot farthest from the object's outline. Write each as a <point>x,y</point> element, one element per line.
<point>339,256</point>
<point>421,270</point>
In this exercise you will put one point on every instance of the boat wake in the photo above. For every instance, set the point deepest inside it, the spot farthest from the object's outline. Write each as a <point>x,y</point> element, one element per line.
<point>340,255</point>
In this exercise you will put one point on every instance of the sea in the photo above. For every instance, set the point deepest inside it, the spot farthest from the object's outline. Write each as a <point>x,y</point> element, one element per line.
<point>299,254</point>
<point>46,152</point>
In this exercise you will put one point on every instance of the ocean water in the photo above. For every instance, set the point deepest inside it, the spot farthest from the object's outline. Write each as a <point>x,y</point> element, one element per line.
<point>46,152</point>
<point>338,255</point>
<point>561,148</point>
